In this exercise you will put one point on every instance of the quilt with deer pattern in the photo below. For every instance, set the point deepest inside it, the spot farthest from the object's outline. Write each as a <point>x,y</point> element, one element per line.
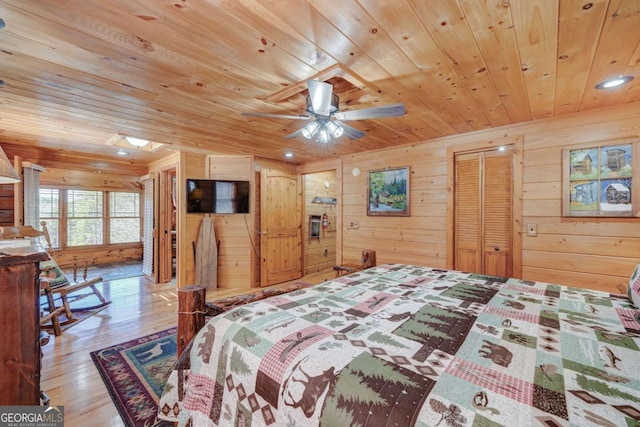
<point>401,345</point>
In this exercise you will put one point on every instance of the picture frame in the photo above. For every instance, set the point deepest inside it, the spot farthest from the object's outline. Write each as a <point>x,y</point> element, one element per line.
<point>388,192</point>
<point>599,179</point>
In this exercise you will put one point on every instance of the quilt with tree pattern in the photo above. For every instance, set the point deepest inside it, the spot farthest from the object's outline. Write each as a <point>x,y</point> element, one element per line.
<point>402,345</point>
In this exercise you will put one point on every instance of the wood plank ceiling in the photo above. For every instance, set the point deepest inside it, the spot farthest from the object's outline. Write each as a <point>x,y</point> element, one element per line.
<point>77,73</point>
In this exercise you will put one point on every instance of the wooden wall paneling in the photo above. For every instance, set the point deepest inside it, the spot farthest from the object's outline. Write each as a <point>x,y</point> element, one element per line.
<point>98,255</point>
<point>7,205</point>
<point>320,166</point>
<point>605,249</point>
<point>597,227</point>
<point>235,232</point>
<point>72,162</point>
<point>396,238</point>
<point>574,270</point>
<point>95,180</point>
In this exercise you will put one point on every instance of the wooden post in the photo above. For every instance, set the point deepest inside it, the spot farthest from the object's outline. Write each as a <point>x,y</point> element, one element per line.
<point>191,301</point>
<point>368,258</point>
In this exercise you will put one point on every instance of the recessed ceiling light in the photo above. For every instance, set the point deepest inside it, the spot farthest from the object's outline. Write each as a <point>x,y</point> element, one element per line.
<point>614,82</point>
<point>288,155</point>
<point>121,153</point>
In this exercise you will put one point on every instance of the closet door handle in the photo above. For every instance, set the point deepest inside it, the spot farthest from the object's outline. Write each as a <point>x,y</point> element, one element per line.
<point>495,248</point>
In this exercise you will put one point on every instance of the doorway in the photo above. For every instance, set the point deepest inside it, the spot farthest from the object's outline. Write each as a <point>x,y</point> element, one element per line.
<point>167,234</point>
<point>280,226</point>
<point>484,233</point>
<point>320,220</point>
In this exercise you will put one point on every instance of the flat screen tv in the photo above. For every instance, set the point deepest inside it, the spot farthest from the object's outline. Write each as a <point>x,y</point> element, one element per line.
<point>217,196</point>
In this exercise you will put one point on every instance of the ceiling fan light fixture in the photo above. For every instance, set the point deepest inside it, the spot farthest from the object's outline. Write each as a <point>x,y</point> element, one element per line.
<point>310,130</point>
<point>323,136</point>
<point>137,142</point>
<point>614,82</point>
<point>334,129</point>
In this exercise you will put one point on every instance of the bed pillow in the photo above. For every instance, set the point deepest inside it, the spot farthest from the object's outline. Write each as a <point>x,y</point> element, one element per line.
<point>634,287</point>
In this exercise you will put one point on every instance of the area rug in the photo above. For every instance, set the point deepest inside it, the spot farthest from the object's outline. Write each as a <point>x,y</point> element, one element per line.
<point>135,373</point>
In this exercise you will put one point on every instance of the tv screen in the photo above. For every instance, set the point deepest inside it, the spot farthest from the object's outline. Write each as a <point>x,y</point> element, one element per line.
<point>217,196</point>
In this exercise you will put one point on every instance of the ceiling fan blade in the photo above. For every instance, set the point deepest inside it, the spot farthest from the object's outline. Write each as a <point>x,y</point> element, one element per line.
<point>277,116</point>
<point>320,96</point>
<point>372,113</point>
<point>294,134</point>
<point>350,131</point>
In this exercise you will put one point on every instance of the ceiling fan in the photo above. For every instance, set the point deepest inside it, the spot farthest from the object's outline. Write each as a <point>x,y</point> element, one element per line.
<point>326,119</point>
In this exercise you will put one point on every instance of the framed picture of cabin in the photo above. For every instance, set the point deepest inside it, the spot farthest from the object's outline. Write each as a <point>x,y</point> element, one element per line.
<point>598,179</point>
<point>388,192</point>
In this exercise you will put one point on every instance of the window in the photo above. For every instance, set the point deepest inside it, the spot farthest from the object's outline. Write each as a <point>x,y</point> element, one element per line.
<point>85,218</point>
<point>50,212</point>
<point>124,215</point>
<point>598,179</point>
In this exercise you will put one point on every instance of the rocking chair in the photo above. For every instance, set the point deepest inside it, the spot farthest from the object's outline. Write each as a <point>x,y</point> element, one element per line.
<point>54,283</point>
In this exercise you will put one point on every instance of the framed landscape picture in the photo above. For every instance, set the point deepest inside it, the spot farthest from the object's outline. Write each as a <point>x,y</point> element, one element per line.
<point>388,192</point>
<point>598,179</point>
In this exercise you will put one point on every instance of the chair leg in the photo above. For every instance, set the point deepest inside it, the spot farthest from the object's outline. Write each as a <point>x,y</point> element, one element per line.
<point>98,294</point>
<point>67,307</point>
<point>53,311</point>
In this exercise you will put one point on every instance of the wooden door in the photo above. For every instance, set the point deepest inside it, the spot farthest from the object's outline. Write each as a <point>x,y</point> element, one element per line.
<point>483,212</point>
<point>281,227</point>
<point>148,235</point>
<point>166,226</point>
<point>468,206</point>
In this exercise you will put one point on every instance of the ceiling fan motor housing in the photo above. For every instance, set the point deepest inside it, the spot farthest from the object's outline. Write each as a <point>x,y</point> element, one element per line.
<point>332,109</point>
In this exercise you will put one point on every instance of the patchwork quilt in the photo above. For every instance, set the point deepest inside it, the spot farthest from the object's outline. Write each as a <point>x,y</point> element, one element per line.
<point>401,345</point>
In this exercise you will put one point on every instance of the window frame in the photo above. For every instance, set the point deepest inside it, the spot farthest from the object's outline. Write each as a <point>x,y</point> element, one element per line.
<point>568,179</point>
<point>63,217</point>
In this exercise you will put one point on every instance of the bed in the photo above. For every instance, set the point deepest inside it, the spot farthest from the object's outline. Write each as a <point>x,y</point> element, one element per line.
<point>401,345</point>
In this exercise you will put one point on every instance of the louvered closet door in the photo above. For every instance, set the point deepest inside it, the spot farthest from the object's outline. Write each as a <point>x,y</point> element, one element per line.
<point>497,214</point>
<point>468,208</point>
<point>483,213</point>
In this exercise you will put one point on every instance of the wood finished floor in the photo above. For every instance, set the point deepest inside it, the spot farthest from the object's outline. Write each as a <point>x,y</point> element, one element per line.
<point>138,308</point>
